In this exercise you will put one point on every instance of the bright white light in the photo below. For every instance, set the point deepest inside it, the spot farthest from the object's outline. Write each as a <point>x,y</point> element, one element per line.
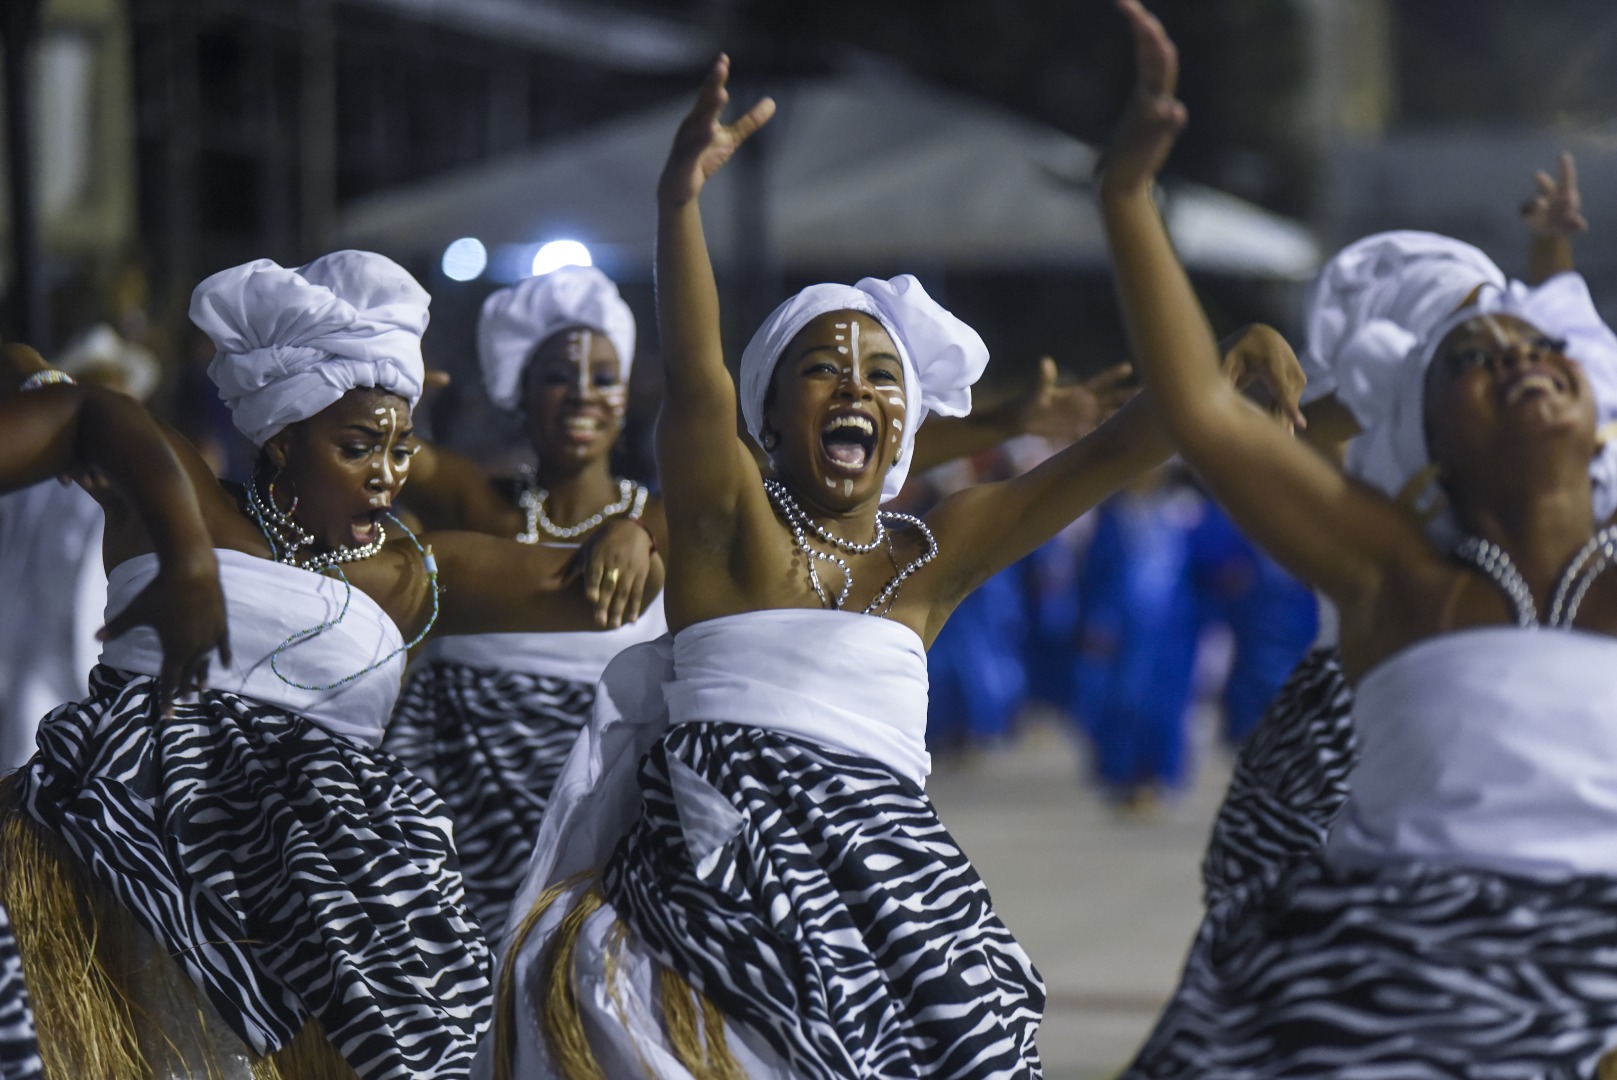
<point>465,259</point>
<point>559,253</point>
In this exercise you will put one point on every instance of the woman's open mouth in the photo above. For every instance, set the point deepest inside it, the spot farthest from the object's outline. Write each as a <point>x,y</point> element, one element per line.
<point>1524,384</point>
<point>363,527</point>
<point>581,429</point>
<point>849,442</point>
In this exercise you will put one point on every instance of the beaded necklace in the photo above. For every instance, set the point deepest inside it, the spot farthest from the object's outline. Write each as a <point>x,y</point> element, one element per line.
<point>1593,559</point>
<point>285,536</point>
<point>800,524</point>
<point>631,501</point>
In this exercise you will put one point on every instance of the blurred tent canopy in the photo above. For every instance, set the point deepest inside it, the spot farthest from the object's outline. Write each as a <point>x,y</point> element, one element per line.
<point>868,167</point>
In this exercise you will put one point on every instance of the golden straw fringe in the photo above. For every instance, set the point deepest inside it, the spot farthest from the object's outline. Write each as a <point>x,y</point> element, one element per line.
<point>695,1029</point>
<point>559,1017</point>
<point>309,1056</point>
<point>105,994</point>
<point>505,998</point>
<point>615,939</point>
<point>84,1023</point>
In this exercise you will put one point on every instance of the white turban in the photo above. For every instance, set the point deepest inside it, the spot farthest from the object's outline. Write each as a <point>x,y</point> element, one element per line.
<point>292,342</point>
<point>941,355</point>
<point>516,320</point>
<point>1375,301</point>
<point>1393,447</point>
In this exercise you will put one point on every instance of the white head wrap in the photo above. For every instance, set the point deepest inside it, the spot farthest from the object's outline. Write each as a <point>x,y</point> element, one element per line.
<point>1393,447</point>
<point>941,356</point>
<point>292,342</point>
<point>516,320</point>
<point>1375,301</point>
<point>101,348</point>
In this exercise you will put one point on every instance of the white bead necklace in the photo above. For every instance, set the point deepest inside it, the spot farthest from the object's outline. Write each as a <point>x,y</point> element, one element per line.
<point>800,524</point>
<point>631,501</point>
<point>1593,559</point>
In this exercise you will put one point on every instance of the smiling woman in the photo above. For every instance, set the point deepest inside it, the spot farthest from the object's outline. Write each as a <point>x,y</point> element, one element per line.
<point>487,719</point>
<point>1458,920</point>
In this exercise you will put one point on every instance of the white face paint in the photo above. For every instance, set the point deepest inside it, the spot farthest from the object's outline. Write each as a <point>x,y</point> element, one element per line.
<point>847,487</point>
<point>382,463</point>
<point>578,354</point>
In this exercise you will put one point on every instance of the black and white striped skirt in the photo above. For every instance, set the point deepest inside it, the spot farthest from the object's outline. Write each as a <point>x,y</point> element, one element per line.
<point>815,898</point>
<point>1290,781</point>
<point>19,1046</point>
<point>292,875</point>
<point>491,744</point>
<point>1405,972</point>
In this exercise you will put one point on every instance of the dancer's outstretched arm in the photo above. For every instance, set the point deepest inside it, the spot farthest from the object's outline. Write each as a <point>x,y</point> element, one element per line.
<point>697,425</point>
<point>65,429</point>
<point>1330,530</point>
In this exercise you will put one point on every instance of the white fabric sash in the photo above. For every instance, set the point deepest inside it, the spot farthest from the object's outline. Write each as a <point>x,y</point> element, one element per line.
<point>576,656</point>
<point>1493,747</point>
<point>845,681</point>
<point>267,602</point>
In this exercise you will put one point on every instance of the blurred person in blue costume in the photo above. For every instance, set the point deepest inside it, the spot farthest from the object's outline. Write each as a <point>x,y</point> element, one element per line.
<point>1141,619</point>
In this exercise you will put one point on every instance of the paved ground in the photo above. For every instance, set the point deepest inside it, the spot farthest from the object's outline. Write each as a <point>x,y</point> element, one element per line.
<point>1104,905</point>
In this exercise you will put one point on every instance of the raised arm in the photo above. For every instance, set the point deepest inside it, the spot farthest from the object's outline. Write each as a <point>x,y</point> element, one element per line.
<point>1554,215</point>
<point>59,430</point>
<point>1326,528</point>
<point>703,463</point>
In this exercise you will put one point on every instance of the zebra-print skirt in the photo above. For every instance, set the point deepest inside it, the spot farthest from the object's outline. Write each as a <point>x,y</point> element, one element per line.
<point>292,874</point>
<point>1404,973</point>
<point>491,744</point>
<point>19,1047</point>
<point>815,898</point>
<point>1290,779</point>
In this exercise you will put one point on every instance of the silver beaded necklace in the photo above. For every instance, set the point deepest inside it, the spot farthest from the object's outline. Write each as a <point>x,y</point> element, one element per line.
<point>801,525</point>
<point>631,501</point>
<point>286,536</point>
<point>1594,558</point>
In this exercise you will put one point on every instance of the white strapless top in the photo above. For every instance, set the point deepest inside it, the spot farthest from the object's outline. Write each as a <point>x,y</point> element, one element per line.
<point>267,602</point>
<point>579,656</point>
<point>1493,747</point>
<point>848,681</point>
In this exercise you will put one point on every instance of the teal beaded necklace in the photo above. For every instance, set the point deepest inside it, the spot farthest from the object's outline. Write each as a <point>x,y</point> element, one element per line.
<point>258,513</point>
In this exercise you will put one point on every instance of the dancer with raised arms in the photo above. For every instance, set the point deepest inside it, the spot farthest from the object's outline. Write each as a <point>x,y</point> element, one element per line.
<point>740,873</point>
<point>1457,921</point>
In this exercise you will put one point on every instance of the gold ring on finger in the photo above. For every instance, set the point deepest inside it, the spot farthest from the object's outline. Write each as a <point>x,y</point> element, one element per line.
<point>612,576</point>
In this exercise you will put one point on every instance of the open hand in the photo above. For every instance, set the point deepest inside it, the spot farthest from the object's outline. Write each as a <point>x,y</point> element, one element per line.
<point>1154,117</point>
<point>702,144</point>
<point>1261,364</point>
<point>186,607</point>
<point>620,569</point>
<point>1065,414</point>
<point>1556,207</point>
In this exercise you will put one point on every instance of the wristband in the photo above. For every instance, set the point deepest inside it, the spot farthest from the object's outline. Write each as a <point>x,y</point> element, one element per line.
<point>46,377</point>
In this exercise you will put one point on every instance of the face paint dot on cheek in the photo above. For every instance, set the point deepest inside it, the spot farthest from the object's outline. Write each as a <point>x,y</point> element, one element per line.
<point>830,483</point>
<point>847,487</point>
<point>898,425</point>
